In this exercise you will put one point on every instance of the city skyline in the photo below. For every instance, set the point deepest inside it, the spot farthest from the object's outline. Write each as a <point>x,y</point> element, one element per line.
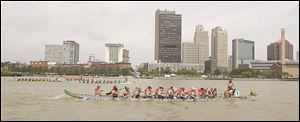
<point>93,24</point>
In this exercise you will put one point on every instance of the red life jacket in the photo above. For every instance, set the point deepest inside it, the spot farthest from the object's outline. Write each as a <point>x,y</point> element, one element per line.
<point>97,90</point>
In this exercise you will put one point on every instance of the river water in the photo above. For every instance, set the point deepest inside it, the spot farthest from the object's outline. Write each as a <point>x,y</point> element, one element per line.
<point>276,100</point>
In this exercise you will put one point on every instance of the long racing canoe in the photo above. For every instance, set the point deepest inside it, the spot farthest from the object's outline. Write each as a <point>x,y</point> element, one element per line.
<point>106,97</point>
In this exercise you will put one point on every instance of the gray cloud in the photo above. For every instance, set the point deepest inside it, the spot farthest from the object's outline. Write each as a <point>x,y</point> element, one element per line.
<point>27,26</point>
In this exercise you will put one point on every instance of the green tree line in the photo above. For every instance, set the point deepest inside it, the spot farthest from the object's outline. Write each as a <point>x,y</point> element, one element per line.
<point>67,71</point>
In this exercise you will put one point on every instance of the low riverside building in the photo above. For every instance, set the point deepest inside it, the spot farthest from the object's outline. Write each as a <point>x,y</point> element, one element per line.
<point>262,65</point>
<point>175,66</point>
<point>291,67</point>
<point>39,63</point>
<point>98,64</point>
<point>10,65</point>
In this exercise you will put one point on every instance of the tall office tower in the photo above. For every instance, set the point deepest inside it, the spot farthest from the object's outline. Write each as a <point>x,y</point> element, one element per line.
<point>167,36</point>
<point>229,63</point>
<point>219,47</point>
<point>71,52</point>
<point>190,52</point>
<point>68,53</point>
<point>242,52</point>
<point>115,53</point>
<point>201,39</point>
<point>196,52</point>
<point>274,49</point>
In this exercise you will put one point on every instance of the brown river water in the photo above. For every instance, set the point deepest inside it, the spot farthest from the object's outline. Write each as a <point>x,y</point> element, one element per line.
<point>276,100</point>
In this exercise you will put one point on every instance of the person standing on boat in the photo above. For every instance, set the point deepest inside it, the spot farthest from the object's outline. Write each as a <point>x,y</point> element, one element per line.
<point>98,90</point>
<point>230,87</point>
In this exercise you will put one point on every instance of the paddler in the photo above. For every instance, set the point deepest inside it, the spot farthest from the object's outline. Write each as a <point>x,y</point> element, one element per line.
<point>201,93</point>
<point>114,92</point>
<point>127,93</point>
<point>148,92</point>
<point>210,92</point>
<point>156,92</point>
<point>171,92</point>
<point>160,93</point>
<point>98,90</point>
<point>181,93</point>
<point>192,93</point>
<point>137,92</point>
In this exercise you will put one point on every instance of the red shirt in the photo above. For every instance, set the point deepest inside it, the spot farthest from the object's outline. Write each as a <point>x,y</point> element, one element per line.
<point>170,90</point>
<point>157,90</point>
<point>181,92</point>
<point>97,90</point>
<point>202,91</point>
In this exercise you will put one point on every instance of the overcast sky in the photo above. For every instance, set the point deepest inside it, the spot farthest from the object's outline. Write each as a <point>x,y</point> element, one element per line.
<point>26,27</point>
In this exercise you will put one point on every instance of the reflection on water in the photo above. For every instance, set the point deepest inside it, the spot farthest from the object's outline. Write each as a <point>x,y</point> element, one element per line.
<point>46,101</point>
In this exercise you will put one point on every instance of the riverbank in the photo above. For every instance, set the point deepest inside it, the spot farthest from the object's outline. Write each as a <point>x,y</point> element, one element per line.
<point>158,78</point>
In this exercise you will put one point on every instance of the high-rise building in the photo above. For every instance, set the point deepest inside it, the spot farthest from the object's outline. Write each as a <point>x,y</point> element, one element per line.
<point>219,47</point>
<point>71,52</point>
<point>68,53</point>
<point>196,52</point>
<point>125,56</point>
<point>190,52</point>
<point>115,53</point>
<point>167,36</point>
<point>273,50</point>
<point>242,52</point>
<point>201,39</point>
<point>229,63</point>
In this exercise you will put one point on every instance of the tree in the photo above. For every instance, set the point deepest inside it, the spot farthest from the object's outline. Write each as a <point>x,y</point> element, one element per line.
<point>246,74</point>
<point>225,72</point>
<point>284,74</point>
<point>217,72</point>
<point>168,70</point>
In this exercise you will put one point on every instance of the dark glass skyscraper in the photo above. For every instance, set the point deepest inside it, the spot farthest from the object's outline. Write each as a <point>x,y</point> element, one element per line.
<point>242,50</point>
<point>167,36</point>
